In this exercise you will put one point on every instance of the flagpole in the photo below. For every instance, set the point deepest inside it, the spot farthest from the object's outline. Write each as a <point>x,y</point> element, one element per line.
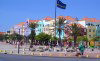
<point>55,15</point>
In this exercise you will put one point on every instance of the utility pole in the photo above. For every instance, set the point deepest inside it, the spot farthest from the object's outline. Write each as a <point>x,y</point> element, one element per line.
<point>55,15</point>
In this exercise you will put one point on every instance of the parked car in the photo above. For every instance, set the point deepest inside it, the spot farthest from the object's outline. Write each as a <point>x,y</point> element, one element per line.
<point>32,49</point>
<point>70,50</point>
<point>40,49</point>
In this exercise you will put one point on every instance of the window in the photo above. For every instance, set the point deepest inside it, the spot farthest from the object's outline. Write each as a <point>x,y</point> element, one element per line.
<point>47,29</point>
<point>44,29</point>
<point>85,30</point>
<point>99,31</point>
<point>89,30</point>
<point>93,30</point>
<point>43,25</point>
<point>48,25</point>
<point>94,35</point>
<point>89,35</point>
<point>40,30</point>
<point>40,25</point>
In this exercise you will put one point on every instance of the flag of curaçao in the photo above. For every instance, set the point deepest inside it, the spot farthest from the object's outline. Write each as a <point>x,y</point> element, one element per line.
<point>61,5</point>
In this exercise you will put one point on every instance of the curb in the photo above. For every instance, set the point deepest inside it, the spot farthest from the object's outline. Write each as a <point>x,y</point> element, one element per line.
<point>50,54</point>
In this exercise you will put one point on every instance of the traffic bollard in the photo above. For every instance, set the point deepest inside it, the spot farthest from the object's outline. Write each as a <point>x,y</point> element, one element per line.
<point>0,51</point>
<point>40,54</point>
<point>32,53</point>
<point>50,54</point>
<point>97,56</point>
<point>11,52</point>
<point>24,52</point>
<point>87,55</point>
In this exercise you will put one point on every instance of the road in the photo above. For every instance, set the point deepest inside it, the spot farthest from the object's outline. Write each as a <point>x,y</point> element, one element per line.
<point>6,57</point>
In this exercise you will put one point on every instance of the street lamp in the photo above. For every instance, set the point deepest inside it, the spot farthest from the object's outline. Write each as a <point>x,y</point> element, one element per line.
<point>18,43</point>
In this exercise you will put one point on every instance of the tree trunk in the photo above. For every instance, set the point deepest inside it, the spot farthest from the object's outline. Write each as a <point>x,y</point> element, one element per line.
<point>32,38</point>
<point>75,39</point>
<point>60,40</point>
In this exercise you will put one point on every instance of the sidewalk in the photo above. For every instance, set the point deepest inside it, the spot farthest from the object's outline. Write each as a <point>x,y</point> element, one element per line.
<point>10,49</point>
<point>52,54</point>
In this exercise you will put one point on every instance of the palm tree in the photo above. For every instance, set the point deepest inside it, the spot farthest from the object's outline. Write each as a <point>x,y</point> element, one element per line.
<point>16,37</point>
<point>53,41</point>
<point>97,38</point>
<point>32,26</point>
<point>60,24</point>
<point>1,37</point>
<point>6,37</point>
<point>75,32</point>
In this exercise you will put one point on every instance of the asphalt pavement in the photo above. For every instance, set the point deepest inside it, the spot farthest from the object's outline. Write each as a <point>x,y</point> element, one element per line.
<point>7,57</point>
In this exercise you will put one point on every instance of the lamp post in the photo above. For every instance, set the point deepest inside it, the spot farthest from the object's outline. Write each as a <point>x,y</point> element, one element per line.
<point>18,43</point>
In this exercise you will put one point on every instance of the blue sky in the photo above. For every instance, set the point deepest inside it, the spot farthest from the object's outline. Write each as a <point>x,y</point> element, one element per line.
<point>14,11</point>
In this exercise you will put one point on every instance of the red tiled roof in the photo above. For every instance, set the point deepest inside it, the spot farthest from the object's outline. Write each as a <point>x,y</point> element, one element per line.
<point>2,32</point>
<point>60,17</point>
<point>21,23</point>
<point>85,19</point>
<point>97,21</point>
<point>33,21</point>
<point>79,25</point>
<point>47,18</point>
<point>69,18</point>
<point>91,19</point>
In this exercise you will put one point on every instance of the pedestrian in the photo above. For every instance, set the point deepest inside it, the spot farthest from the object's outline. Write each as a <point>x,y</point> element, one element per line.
<point>81,48</point>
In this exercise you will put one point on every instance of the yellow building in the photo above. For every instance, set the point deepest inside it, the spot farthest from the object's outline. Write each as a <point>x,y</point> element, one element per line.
<point>49,28</point>
<point>91,32</point>
<point>52,28</point>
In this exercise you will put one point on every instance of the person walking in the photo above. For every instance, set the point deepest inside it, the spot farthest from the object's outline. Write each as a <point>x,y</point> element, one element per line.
<point>81,48</point>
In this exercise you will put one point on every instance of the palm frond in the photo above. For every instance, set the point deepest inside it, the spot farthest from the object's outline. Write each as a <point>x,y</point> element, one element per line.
<point>33,25</point>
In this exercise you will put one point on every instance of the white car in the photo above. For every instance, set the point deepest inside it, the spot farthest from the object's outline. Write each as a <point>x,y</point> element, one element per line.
<point>70,50</point>
<point>40,49</point>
